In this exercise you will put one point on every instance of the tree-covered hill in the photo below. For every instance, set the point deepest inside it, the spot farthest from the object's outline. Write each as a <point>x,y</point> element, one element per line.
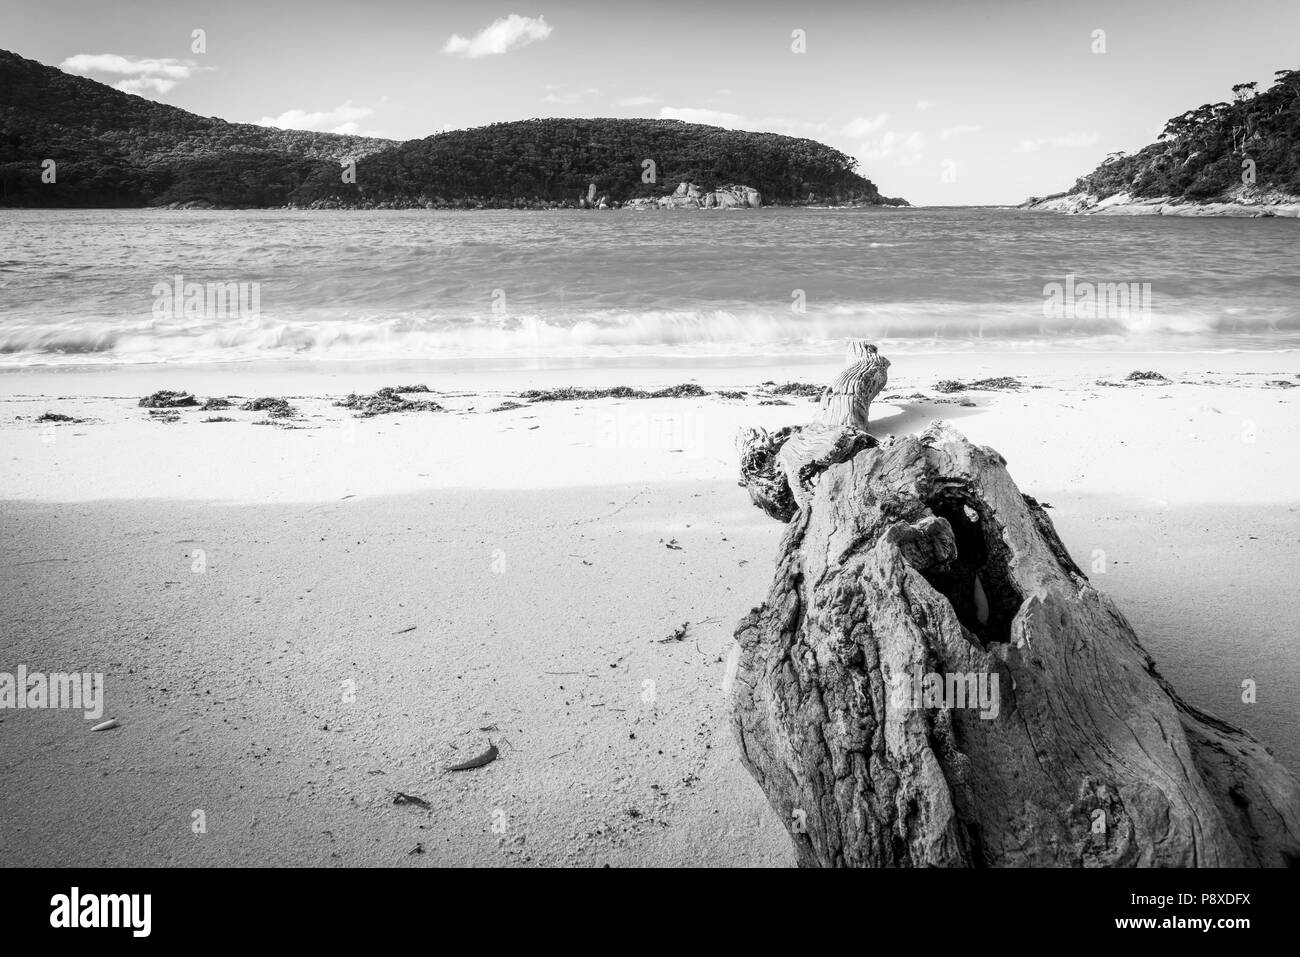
<point>555,160</point>
<point>1200,154</point>
<point>115,149</point>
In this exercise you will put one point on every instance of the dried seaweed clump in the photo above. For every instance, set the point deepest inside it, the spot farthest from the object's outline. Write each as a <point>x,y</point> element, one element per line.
<point>166,399</point>
<point>569,393</point>
<point>949,386</point>
<point>274,408</point>
<point>386,400</point>
<point>807,390</point>
<point>1138,375</point>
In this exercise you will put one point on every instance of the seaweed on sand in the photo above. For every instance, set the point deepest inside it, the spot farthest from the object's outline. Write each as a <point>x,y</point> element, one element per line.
<point>569,393</point>
<point>275,408</point>
<point>948,386</point>
<point>386,400</point>
<point>167,399</point>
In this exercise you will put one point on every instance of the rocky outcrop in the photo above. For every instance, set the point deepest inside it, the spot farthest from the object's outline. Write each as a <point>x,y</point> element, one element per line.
<point>1245,202</point>
<point>932,681</point>
<point>591,201</point>
<point>690,196</point>
<point>733,197</point>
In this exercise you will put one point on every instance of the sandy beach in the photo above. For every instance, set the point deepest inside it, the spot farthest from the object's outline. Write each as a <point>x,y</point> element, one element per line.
<point>302,623</point>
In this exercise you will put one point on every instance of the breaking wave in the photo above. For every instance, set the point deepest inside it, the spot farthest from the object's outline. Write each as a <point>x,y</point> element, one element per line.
<point>612,333</point>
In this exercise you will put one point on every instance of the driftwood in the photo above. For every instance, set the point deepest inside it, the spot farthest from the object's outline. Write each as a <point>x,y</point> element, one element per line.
<point>778,468</point>
<point>933,682</point>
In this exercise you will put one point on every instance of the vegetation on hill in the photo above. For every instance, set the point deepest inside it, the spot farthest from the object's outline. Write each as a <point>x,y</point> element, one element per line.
<point>1201,153</point>
<point>555,160</point>
<point>116,149</point>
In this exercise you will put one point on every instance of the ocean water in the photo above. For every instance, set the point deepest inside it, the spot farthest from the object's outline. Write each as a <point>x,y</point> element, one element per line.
<point>81,287</point>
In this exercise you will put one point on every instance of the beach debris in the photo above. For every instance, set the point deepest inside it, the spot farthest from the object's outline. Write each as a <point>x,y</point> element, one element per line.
<point>571,393</point>
<point>385,401</point>
<point>997,384</point>
<point>418,849</point>
<point>405,630</point>
<point>275,408</point>
<point>508,406</point>
<point>167,399</point>
<point>889,563</point>
<point>847,403</point>
<point>687,390</point>
<point>108,725</point>
<point>219,418</point>
<point>678,634</point>
<point>164,415</point>
<point>214,404</point>
<point>1139,376</point>
<point>487,757</point>
<point>673,544</point>
<point>774,402</point>
<point>1279,383</point>
<point>400,797</point>
<point>806,390</point>
<point>778,469</point>
<point>60,417</point>
<point>411,388</point>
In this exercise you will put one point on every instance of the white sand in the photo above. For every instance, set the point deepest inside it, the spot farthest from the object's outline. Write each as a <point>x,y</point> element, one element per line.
<point>529,550</point>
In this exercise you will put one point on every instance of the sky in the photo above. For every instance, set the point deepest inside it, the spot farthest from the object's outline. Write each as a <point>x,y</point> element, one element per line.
<point>943,102</point>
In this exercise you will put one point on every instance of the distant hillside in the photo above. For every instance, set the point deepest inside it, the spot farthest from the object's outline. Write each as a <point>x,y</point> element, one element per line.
<point>116,149</point>
<point>543,161</point>
<point>1200,155</point>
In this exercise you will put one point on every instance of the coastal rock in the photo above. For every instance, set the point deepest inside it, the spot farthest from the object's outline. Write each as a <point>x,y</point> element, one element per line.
<point>1242,202</point>
<point>686,196</point>
<point>732,197</point>
<point>932,681</point>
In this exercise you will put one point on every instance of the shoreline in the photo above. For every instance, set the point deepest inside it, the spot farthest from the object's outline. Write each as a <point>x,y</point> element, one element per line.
<point>572,537</point>
<point>1275,206</point>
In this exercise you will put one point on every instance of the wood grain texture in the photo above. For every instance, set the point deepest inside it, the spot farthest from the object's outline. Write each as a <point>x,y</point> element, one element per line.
<point>920,556</point>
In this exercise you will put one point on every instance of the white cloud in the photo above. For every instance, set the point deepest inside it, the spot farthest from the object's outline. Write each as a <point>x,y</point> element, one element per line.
<point>961,129</point>
<point>862,126</point>
<point>499,37</point>
<point>733,121</point>
<point>903,148</point>
<point>341,119</point>
<point>637,101</point>
<point>924,105</point>
<point>1073,140</point>
<point>571,97</point>
<point>141,74</point>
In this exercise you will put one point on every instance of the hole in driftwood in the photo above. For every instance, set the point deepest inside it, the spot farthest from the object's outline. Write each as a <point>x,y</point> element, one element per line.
<point>977,583</point>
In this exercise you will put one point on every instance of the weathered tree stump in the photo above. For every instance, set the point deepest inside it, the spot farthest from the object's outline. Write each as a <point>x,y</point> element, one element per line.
<point>848,401</point>
<point>778,469</point>
<point>914,574</point>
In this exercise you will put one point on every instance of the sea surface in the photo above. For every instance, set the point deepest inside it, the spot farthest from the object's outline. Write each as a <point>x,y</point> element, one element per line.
<point>94,287</point>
